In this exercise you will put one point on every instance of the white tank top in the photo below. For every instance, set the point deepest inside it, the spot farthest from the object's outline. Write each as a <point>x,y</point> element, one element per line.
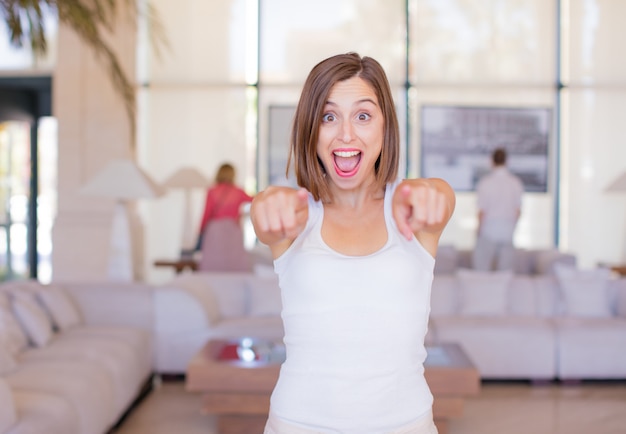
<point>354,332</point>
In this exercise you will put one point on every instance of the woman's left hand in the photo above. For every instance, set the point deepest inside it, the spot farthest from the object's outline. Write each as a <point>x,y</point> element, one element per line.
<point>422,205</point>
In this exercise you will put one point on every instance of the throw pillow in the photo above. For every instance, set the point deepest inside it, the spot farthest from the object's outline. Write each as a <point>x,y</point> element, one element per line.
<point>584,292</point>
<point>11,334</point>
<point>265,298</point>
<point>447,260</point>
<point>195,284</point>
<point>483,292</point>
<point>59,307</point>
<point>34,321</point>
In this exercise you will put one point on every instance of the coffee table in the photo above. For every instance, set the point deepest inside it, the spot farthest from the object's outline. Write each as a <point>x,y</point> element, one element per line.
<point>236,378</point>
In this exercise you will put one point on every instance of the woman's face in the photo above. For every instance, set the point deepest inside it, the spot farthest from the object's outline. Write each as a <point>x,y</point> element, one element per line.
<point>351,133</point>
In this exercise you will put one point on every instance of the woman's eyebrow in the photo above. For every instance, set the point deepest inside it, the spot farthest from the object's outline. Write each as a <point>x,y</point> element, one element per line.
<point>370,100</point>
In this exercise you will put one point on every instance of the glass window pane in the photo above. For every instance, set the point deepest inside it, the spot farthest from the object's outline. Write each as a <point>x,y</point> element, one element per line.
<point>14,58</point>
<point>296,35</point>
<point>14,197</point>
<point>594,223</point>
<point>596,32</point>
<point>486,41</point>
<point>208,41</point>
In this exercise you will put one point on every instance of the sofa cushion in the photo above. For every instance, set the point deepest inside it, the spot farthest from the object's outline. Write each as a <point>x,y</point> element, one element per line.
<point>584,292</point>
<point>85,386</point>
<point>43,413</point>
<point>265,298</point>
<point>121,361</point>
<point>545,260</point>
<point>8,414</point>
<point>59,307</point>
<point>522,296</point>
<point>444,295</point>
<point>12,337</point>
<point>591,348</point>
<point>484,293</point>
<point>523,262</point>
<point>447,260</point>
<point>34,321</point>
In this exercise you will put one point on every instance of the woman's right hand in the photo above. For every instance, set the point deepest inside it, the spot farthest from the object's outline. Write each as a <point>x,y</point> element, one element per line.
<point>279,214</point>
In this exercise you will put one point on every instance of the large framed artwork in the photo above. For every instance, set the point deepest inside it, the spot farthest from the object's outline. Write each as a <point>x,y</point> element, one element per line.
<point>457,143</point>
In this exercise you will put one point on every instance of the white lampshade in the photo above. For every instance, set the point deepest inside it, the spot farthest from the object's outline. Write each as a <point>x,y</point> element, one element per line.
<point>186,177</point>
<point>619,184</point>
<point>122,179</point>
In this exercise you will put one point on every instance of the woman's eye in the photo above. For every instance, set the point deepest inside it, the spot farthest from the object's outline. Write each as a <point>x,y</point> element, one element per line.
<point>363,116</point>
<point>328,117</point>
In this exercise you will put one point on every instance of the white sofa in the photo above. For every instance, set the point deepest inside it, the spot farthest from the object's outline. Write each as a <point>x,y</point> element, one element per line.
<point>569,326</point>
<point>73,357</point>
<point>511,326</point>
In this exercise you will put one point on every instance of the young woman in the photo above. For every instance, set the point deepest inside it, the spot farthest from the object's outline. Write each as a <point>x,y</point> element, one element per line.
<point>354,250</point>
<point>220,238</point>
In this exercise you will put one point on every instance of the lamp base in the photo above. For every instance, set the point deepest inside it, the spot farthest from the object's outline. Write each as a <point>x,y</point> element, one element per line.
<point>121,254</point>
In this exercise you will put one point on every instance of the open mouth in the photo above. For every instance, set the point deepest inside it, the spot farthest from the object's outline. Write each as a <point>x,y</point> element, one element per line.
<point>347,162</point>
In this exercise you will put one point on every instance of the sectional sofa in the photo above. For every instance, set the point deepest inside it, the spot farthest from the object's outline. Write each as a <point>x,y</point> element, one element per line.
<point>73,358</point>
<point>537,327</point>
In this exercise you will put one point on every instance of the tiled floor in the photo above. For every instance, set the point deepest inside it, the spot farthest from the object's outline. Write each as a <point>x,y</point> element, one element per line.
<point>511,408</point>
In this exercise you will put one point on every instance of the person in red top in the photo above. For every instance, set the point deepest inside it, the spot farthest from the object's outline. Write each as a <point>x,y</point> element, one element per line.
<point>220,238</point>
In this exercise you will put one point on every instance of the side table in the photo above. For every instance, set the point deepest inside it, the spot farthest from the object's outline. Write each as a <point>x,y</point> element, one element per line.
<point>179,265</point>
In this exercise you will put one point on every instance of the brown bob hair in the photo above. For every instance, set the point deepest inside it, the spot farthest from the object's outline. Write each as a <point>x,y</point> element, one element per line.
<point>225,174</point>
<point>308,169</point>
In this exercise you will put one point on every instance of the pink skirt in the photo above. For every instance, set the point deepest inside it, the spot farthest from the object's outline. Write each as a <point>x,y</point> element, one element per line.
<point>424,425</point>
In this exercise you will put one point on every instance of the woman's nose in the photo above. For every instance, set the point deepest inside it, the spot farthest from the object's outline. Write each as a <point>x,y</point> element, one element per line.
<point>347,132</point>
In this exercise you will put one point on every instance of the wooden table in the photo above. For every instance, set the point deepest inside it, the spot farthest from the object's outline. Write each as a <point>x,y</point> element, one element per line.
<point>452,378</point>
<point>239,392</point>
<point>179,265</point>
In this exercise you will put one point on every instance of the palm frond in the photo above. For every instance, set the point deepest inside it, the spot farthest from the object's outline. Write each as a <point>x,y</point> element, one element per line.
<point>88,19</point>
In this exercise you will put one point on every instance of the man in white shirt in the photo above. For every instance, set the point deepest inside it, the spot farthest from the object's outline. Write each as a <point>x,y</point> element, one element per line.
<point>499,196</point>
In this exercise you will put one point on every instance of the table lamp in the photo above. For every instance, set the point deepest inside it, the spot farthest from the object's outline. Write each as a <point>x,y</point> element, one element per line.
<point>187,178</point>
<point>123,181</point>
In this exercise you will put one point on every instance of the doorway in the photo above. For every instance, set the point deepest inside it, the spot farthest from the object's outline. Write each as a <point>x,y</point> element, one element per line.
<point>27,178</point>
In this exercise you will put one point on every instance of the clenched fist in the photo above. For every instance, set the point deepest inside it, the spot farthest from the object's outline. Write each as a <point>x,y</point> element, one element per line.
<point>279,214</point>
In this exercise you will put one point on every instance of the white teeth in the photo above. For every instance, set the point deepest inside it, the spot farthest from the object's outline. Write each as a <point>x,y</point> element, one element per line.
<point>346,154</point>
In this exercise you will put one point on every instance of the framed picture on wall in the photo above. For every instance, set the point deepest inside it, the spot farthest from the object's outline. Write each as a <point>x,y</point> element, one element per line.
<point>280,120</point>
<point>457,143</point>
